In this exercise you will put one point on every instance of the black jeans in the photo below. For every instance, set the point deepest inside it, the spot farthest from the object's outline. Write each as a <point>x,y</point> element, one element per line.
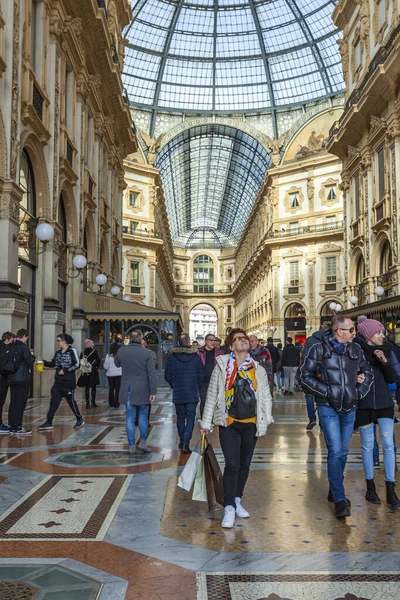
<point>114,384</point>
<point>87,390</point>
<point>58,392</point>
<point>19,393</point>
<point>3,395</point>
<point>237,443</point>
<point>203,397</point>
<point>185,418</point>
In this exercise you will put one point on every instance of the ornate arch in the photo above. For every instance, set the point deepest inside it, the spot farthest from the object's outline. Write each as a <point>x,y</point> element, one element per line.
<point>71,213</point>
<point>90,238</point>
<point>325,301</point>
<point>35,150</point>
<point>381,240</point>
<point>228,121</point>
<point>292,301</point>
<point>3,149</point>
<point>355,257</point>
<point>209,303</point>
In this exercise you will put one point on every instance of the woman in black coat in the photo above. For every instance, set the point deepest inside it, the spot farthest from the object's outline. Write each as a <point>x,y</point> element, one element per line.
<point>377,407</point>
<point>89,380</point>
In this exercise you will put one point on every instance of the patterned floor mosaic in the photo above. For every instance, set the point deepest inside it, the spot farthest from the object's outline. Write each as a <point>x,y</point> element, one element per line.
<point>289,513</point>
<point>92,459</point>
<point>299,586</point>
<point>65,507</point>
<point>45,582</point>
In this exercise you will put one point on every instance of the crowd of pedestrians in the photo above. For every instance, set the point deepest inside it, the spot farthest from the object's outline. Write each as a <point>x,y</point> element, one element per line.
<point>349,372</point>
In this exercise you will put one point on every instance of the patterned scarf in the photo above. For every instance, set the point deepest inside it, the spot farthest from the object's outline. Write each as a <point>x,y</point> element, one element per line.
<point>338,346</point>
<point>245,370</point>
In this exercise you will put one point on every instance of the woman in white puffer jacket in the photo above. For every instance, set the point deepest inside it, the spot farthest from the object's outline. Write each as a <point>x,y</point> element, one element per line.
<point>113,375</point>
<point>240,422</point>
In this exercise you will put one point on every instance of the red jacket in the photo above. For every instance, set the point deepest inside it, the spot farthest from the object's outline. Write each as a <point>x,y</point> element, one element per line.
<point>202,354</point>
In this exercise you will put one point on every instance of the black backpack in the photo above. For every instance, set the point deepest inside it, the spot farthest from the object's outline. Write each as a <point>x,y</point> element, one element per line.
<point>244,405</point>
<point>8,360</point>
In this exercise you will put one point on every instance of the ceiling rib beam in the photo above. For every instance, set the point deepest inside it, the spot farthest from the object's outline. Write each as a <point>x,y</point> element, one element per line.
<point>266,65</point>
<point>163,62</point>
<point>292,4</point>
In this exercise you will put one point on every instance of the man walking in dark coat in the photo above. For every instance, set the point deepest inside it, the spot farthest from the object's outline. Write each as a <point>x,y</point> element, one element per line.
<point>19,383</point>
<point>138,388</point>
<point>184,372</point>
<point>337,374</point>
<point>315,338</point>
<point>290,364</point>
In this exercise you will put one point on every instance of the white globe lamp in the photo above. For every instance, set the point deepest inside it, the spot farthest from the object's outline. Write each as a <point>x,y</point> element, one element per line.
<point>79,261</point>
<point>126,298</point>
<point>379,291</point>
<point>44,232</point>
<point>101,279</point>
<point>332,305</point>
<point>353,300</point>
<point>338,308</point>
<point>115,290</point>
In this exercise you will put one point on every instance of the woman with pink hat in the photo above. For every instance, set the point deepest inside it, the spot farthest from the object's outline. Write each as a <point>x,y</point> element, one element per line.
<point>377,407</point>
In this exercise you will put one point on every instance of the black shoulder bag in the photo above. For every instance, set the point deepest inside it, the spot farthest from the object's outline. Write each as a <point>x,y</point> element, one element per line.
<point>244,405</point>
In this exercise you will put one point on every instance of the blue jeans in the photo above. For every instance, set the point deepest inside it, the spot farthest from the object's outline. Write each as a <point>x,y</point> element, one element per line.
<point>131,418</point>
<point>338,429</point>
<point>376,446</point>
<point>367,443</point>
<point>279,379</point>
<point>185,418</point>
<point>311,407</point>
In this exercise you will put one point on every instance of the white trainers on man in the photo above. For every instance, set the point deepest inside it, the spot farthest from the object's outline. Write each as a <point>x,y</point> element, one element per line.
<point>229,517</point>
<point>240,511</point>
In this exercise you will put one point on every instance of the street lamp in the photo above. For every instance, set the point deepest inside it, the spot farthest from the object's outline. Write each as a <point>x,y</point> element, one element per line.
<point>332,306</point>
<point>353,300</point>
<point>379,291</point>
<point>44,232</point>
<point>115,290</point>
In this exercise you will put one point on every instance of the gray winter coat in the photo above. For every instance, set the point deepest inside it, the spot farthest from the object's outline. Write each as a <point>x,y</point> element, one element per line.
<point>138,374</point>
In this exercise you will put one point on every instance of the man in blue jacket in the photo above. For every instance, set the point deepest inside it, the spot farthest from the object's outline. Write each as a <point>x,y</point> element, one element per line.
<point>184,372</point>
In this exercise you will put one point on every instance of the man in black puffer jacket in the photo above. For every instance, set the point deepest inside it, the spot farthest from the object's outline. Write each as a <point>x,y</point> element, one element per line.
<point>337,374</point>
<point>19,383</point>
<point>184,372</point>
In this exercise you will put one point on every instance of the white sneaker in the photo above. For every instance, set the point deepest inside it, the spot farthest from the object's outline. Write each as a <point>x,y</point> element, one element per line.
<point>229,517</point>
<point>240,511</point>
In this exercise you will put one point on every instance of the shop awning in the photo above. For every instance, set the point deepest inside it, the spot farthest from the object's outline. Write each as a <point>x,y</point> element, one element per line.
<point>104,308</point>
<point>374,308</point>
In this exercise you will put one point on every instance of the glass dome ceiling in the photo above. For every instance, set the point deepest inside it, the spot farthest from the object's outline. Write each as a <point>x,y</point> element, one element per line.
<point>231,55</point>
<point>211,176</point>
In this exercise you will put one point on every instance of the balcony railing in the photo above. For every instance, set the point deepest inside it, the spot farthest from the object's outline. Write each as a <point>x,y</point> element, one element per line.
<point>304,230</point>
<point>204,288</point>
<point>362,293</point>
<point>142,233</point>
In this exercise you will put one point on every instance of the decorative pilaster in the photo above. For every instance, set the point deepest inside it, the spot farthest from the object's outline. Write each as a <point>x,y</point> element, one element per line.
<point>15,103</point>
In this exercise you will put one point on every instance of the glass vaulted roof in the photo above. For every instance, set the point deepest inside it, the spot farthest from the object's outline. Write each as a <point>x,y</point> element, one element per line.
<point>211,176</point>
<point>231,55</point>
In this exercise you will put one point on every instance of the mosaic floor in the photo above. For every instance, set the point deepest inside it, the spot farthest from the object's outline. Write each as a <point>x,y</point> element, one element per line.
<point>82,519</point>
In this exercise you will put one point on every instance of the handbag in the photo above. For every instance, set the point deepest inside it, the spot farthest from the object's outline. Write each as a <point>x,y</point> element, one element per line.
<point>86,366</point>
<point>213,476</point>
<point>188,475</point>
<point>244,405</point>
<point>200,487</point>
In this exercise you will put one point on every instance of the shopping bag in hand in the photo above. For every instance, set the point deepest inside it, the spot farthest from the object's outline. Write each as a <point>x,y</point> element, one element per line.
<point>213,477</point>
<point>199,488</point>
<point>188,475</point>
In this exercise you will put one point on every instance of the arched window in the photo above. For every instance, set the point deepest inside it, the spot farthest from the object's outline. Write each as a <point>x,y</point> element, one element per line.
<point>360,270</point>
<point>203,274</point>
<point>27,257</point>
<point>62,261</point>
<point>295,310</point>
<point>385,261</point>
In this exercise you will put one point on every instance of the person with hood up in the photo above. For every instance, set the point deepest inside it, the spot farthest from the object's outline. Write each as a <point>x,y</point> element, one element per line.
<point>184,372</point>
<point>377,407</point>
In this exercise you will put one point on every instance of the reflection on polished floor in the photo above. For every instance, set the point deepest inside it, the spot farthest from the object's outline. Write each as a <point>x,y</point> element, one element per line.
<point>83,519</point>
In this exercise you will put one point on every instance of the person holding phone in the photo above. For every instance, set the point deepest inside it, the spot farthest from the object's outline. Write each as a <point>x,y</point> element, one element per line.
<point>377,407</point>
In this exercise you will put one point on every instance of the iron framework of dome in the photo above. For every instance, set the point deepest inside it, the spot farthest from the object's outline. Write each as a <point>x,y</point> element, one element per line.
<point>231,56</point>
<point>211,176</point>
